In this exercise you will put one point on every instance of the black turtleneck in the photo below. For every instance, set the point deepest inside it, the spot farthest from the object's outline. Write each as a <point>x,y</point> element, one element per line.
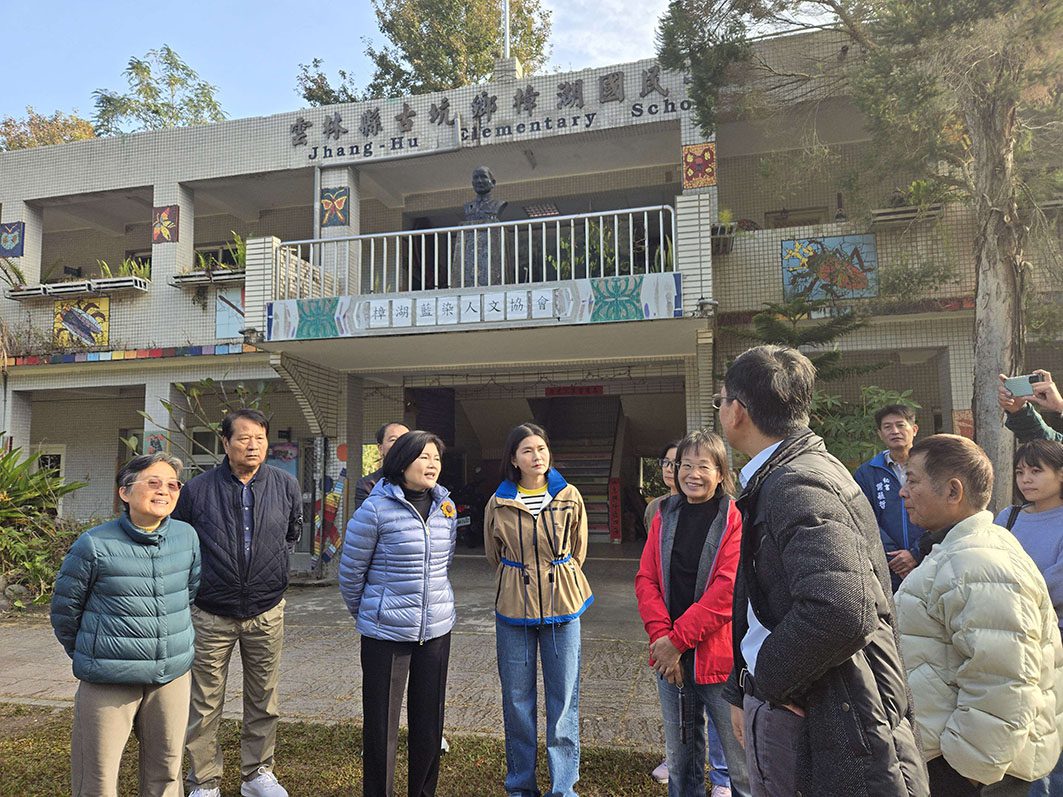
<point>421,500</point>
<point>691,530</point>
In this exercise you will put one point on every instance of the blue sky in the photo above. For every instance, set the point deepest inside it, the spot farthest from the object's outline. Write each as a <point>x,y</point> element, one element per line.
<point>55,55</point>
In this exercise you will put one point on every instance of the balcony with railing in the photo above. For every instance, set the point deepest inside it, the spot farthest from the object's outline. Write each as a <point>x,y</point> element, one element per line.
<point>615,265</point>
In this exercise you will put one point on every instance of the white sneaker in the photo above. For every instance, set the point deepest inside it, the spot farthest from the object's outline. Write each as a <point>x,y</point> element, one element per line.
<point>203,791</point>
<point>720,791</point>
<point>660,774</point>
<point>444,746</point>
<point>265,784</point>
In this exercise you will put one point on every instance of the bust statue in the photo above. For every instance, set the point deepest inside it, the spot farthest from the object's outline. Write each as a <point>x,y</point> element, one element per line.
<point>477,254</point>
<point>484,208</point>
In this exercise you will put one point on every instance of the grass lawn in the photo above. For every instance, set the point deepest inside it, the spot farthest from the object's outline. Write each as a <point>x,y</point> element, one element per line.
<point>313,761</point>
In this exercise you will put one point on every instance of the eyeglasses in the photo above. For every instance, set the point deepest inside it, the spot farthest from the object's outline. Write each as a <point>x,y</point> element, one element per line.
<point>667,463</point>
<point>704,470</point>
<point>719,399</point>
<point>154,484</point>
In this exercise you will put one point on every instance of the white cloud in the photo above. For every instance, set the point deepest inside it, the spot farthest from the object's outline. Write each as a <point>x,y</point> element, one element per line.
<point>589,33</point>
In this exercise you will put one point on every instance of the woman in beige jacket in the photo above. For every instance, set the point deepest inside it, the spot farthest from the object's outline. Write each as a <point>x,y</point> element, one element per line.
<point>535,533</point>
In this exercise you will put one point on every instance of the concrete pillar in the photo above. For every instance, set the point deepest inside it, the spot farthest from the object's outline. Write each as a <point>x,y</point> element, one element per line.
<point>176,253</point>
<point>340,262</point>
<point>259,282</point>
<point>32,233</point>
<point>158,423</point>
<point>699,383</point>
<point>355,421</point>
<point>693,246</point>
<point>18,416</point>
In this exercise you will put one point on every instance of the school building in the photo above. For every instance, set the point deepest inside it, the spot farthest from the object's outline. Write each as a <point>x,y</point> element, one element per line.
<point>327,256</point>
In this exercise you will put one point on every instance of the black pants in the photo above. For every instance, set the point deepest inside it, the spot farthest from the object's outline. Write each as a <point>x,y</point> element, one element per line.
<point>947,782</point>
<point>385,668</point>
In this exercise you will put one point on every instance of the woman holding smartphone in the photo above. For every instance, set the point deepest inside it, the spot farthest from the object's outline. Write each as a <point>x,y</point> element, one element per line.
<point>535,533</point>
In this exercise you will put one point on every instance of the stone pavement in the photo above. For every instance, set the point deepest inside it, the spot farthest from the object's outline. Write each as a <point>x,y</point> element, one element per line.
<point>321,678</point>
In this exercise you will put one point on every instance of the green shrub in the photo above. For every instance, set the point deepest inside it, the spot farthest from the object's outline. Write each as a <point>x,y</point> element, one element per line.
<point>33,540</point>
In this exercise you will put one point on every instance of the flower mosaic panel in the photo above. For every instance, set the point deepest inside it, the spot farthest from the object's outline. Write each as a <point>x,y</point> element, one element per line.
<point>165,224</point>
<point>699,165</point>
<point>335,207</point>
<point>583,301</point>
<point>832,267</point>
<point>12,239</point>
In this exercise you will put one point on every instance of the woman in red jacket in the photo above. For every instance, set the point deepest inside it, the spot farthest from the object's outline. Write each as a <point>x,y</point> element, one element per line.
<point>684,588</point>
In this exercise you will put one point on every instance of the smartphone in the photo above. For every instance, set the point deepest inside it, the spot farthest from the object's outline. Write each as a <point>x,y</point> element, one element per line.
<point>1022,385</point>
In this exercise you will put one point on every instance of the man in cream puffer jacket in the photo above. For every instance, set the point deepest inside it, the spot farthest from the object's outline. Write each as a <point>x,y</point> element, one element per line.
<point>979,634</point>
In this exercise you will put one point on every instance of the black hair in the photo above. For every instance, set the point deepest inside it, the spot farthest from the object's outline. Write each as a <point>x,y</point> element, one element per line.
<point>903,410</point>
<point>669,447</point>
<point>383,430</point>
<point>774,384</point>
<point>1047,454</point>
<point>247,414</point>
<point>509,471</point>
<point>405,450</point>
<point>711,443</point>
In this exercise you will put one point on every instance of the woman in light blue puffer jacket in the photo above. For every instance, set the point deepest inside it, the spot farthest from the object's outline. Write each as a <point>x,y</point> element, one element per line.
<point>394,579</point>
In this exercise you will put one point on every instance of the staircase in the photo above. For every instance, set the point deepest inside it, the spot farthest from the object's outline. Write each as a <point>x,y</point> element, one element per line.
<point>582,438</point>
<point>585,463</point>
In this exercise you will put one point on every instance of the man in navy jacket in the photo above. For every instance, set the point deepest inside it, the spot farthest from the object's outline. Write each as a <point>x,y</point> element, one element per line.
<point>881,479</point>
<point>246,514</point>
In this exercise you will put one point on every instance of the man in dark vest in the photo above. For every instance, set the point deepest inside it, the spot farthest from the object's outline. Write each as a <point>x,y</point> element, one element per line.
<point>247,514</point>
<point>818,690</point>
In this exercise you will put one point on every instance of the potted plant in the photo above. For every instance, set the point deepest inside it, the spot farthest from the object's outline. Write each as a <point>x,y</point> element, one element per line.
<point>723,233</point>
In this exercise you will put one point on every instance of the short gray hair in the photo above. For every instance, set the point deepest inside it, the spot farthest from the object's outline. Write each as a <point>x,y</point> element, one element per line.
<point>129,471</point>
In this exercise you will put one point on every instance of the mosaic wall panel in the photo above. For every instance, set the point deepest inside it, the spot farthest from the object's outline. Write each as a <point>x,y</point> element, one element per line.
<point>335,207</point>
<point>831,266</point>
<point>699,165</point>
<point>165,224</point>
<point>81,322</point>
<point>12,239</point>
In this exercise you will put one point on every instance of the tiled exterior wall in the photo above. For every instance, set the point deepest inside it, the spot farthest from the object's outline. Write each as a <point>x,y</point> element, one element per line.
<point>752,273</point>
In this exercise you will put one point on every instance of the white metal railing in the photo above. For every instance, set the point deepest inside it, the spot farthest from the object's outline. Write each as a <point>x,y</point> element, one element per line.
<point>610,243</point>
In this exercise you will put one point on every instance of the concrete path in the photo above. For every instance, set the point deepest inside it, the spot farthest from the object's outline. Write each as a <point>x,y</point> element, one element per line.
<point>321,678</point>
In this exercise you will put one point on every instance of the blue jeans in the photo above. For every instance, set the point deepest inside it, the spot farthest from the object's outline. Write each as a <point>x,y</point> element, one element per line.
<point>703,705</point>
<point>1051,785</point>
<point>558,647</point>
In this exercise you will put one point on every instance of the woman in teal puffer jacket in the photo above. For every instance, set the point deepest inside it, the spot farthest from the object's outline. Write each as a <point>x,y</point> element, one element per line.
<point>121,612</point>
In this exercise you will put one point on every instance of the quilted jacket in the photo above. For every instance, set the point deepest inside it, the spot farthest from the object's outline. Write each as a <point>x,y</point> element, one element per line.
<point>235,585</point>
<point>121,602</point>
<point>394,568</point>
<point>982,649</point>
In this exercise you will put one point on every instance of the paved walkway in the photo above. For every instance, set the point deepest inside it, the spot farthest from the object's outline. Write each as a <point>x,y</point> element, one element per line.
<point>321,678</point>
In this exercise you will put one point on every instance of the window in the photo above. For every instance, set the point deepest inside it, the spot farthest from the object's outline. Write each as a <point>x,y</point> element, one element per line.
<point>801,217</point>
<point>53,457</point>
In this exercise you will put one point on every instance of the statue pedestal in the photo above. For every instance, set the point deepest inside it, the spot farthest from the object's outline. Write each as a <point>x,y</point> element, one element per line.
<point>478,258</point>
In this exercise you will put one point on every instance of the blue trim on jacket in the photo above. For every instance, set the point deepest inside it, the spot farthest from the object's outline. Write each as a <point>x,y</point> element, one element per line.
<point>555,483</point>
<point>556,620</point>
<point>882,488</point>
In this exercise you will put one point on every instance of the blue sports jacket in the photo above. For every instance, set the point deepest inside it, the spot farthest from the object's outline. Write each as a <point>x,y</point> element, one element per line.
<point>883,490</point>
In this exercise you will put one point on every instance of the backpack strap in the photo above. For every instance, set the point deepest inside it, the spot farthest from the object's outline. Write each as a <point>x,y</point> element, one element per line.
<point>1012,515</point>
